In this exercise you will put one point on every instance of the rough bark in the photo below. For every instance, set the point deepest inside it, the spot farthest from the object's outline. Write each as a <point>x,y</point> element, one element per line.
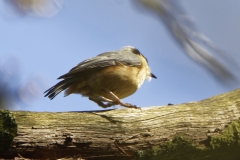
<point>205,129</point>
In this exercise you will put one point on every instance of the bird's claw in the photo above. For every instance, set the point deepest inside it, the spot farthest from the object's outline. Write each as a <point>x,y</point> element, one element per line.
<point>128,105</point>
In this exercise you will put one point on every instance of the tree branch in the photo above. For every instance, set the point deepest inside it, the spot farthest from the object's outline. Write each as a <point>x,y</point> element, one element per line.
<point>207,125</point>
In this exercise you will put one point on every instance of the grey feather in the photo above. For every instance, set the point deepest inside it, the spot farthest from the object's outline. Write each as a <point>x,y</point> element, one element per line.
<point>127,56</point>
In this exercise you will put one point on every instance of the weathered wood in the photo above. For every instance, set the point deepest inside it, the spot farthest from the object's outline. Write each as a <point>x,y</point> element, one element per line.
<point>120,133</point>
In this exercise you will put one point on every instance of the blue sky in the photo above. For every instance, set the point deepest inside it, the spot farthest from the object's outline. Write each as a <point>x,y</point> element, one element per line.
<point>47,48</point>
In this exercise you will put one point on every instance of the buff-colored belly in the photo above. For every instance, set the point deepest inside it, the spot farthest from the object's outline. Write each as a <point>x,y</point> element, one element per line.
<point>123,81</point>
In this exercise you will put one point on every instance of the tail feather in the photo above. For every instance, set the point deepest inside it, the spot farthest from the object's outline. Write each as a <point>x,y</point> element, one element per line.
<point>56,89</point>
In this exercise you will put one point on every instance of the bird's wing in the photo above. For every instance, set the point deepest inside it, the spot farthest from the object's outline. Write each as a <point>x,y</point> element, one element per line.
<point>103,60</point>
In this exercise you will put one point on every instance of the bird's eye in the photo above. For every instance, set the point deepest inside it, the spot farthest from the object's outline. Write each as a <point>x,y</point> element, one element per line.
<point>136,51</point>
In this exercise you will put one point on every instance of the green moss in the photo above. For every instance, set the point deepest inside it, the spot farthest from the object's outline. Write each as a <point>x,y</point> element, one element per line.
<point>230,137</point>
<point>8,129</point>
<point>221,147</point>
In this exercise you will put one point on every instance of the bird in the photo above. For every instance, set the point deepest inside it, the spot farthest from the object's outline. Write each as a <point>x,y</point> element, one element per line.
<point>106,78</point>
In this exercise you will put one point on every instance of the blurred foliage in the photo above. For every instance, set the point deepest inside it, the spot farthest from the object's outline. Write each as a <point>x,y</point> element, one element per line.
<point>15,91</point>
<point>37,8</point>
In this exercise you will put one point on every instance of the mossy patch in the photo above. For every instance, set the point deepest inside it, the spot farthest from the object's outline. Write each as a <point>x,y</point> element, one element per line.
<point>8,129</point>
<point>221,147</point>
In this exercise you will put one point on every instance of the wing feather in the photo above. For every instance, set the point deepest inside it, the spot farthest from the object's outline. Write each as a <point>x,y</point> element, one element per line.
<point>103,60</point>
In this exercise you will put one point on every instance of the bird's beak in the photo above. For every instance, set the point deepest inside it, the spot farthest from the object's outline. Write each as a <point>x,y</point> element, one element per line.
<point>153,76</point>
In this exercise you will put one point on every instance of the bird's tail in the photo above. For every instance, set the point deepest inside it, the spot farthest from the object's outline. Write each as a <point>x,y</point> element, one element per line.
<point>59,87</point>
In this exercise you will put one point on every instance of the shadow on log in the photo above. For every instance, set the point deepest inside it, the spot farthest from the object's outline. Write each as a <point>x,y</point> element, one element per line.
<point>207,129</point>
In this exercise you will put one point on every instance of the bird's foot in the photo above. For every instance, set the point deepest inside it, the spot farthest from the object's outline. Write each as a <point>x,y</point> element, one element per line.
<point>128,105</point>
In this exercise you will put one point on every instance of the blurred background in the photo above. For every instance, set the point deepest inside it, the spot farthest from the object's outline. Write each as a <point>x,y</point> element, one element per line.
<point>43,39</point>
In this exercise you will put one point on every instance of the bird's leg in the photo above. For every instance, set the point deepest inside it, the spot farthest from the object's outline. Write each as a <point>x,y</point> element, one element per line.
<point>118,101</point>
<point>100,99</point>
<point>100,103</point>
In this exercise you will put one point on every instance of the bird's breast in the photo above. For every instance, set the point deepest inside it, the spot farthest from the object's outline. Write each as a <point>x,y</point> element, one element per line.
<point>122,80</point>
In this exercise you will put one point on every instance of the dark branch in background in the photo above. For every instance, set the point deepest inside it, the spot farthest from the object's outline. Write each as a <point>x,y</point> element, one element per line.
<point>196,45</point>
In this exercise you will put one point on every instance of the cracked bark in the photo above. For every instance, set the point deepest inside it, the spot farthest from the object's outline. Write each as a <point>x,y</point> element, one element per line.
<point>120,133</point>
